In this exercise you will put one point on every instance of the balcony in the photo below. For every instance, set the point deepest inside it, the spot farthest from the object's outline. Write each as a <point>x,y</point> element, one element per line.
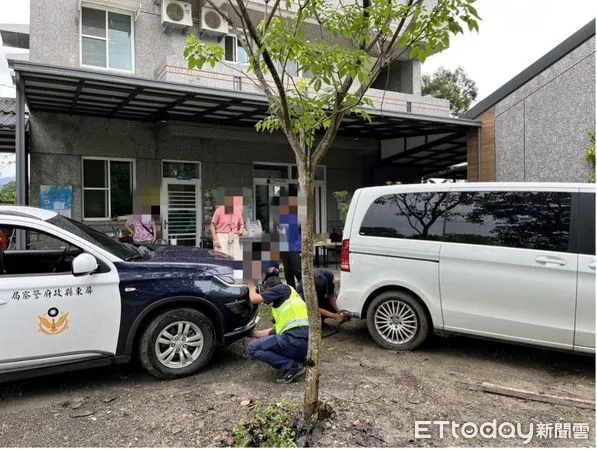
<point>224,77</point>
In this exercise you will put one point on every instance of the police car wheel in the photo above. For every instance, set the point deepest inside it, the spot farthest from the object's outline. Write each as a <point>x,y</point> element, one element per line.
<point>396,320</point>
<point>177,343</point>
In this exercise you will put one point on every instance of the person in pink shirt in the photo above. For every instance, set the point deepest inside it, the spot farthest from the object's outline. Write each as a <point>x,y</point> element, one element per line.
<point>142,228</point>
<point>227,225</point>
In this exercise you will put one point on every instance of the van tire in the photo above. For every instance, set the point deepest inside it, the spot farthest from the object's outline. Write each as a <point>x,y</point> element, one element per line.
<point>198,324</point>
<point>412,311</point>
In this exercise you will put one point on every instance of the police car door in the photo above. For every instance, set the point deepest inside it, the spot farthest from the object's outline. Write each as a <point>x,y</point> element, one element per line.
<point>48,315</point>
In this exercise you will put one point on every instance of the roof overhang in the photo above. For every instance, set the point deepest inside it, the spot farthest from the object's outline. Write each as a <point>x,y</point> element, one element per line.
<point>8,120</point>
<point>85,92</point>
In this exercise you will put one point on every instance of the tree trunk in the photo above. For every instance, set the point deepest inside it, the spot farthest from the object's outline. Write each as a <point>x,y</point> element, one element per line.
<point>307,183</point>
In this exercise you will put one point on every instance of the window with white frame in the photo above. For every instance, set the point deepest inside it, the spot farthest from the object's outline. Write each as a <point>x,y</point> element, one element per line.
<point>108,186</point>
<point>234,52</point>
<point>106,39</point>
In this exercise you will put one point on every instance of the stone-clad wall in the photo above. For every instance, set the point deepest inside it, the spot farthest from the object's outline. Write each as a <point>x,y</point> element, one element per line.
<point>541,128</point>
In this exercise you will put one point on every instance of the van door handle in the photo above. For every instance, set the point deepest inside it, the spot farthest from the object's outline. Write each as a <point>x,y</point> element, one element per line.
<point>2,302</point>
<point>592,265</point>
<point>549,260</point>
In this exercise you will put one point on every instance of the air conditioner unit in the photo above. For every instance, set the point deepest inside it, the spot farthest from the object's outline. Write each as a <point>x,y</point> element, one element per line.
<point>212,23</point>
<point>176,14</point>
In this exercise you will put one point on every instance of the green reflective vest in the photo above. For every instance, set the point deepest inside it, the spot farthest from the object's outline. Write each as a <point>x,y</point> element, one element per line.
<point>291,313</point>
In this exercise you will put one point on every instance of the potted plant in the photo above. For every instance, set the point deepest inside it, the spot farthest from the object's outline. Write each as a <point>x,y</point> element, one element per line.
<point>343,199</point>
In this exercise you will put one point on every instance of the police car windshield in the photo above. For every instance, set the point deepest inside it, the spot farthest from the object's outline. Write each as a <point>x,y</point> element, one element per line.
<point>98,238</point>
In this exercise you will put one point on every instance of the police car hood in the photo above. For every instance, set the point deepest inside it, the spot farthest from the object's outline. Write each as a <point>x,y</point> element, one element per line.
<point>180,254</point>
<point>193,255</point>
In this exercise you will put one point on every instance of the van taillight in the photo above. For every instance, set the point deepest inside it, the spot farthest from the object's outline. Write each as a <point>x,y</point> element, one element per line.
<point>345,258</point>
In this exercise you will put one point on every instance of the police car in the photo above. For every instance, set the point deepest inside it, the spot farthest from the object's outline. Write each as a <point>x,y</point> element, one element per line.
<point>72,297</point>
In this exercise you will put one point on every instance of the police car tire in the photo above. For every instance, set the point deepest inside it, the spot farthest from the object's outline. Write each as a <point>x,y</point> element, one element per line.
<point>150,361</point>
<point>422,330</point>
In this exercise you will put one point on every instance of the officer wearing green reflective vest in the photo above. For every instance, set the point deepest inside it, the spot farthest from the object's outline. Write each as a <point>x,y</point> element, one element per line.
<point>283,347</point>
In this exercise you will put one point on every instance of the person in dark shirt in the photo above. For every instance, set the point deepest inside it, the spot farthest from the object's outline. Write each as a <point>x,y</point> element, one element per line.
<point>284,346</point>
<point>291,255</point>
<point>325,287</point>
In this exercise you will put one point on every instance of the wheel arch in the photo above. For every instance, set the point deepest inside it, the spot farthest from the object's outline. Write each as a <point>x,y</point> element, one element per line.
<point>155,309</point>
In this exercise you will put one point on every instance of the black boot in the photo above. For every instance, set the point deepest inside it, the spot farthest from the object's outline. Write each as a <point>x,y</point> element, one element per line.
<point>294,373</point>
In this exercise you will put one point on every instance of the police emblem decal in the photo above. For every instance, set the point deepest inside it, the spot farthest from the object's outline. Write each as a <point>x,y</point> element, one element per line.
<point>53,325</point>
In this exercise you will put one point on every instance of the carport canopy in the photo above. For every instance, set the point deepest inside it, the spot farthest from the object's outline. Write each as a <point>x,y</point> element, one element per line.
<point>86,92</point>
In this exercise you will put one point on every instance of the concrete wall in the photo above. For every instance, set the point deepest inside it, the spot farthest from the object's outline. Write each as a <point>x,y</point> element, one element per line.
<point>55,35</point>
<point>58,142</point>
<point>541,129</point>
<point>55,40</point>
<point>226,154</point>
<point>400,76</point>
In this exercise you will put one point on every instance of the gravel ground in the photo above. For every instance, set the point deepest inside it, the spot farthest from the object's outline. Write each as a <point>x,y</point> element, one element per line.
<point>376,394</point>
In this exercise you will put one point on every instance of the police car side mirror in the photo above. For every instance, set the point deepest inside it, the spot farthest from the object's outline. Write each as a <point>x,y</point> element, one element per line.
<point>84,264</point>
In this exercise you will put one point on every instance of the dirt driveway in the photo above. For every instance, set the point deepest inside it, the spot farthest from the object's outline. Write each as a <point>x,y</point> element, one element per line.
<point>377,396</point>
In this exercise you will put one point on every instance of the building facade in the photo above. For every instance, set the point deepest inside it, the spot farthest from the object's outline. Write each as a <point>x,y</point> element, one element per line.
<point>174,161</point>
<point>535,127</point>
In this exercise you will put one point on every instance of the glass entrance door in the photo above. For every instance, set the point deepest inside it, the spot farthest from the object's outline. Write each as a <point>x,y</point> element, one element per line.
<point>264,191</point>
<point>270,179</point>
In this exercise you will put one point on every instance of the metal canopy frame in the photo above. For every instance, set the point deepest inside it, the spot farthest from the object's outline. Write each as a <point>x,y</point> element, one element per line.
<point>7,139</point>
<point>85,92</point>
<point>8,120</point>
<point>435,156</point>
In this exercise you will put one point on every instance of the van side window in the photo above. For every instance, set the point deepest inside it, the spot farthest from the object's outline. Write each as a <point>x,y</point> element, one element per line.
<point>586,241</point>
<point>413,215</point>
<point>532,220</point>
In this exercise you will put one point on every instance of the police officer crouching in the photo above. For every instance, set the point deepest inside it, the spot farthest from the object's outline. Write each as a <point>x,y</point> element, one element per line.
<point>285,346</point>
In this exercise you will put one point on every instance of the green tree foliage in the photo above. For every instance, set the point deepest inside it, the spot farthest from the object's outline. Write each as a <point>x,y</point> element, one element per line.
<point>450,85</point>
<point>343,199</point>
<point>343,47</point>
<point>8,193</point>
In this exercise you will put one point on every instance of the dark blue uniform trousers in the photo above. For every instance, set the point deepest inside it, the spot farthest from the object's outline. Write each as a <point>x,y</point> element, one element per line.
<point>280,351</point>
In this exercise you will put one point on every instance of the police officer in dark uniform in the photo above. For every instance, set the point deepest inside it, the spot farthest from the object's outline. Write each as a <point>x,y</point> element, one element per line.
<point>283,347</point>
<point>325,287</point>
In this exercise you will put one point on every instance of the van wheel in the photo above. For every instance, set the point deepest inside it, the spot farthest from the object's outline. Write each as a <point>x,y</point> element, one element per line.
<point>396,320</point>
<point>177,343</point>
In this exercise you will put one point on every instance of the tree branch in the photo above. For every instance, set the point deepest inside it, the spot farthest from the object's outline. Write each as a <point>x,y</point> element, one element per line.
<point>338,113</point>
<point>270,16</point>
<point>285,116</point>
<point>403,21</point>
<point>335,121</point>
<point>386,56</point>
<point>221,12</point>
<point>294,31</point>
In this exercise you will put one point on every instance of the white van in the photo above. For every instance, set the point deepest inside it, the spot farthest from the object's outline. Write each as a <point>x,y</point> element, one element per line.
<point>507,261</point>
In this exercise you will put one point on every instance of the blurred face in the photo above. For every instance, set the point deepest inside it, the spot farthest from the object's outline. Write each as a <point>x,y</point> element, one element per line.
<point>293,205</point>
<point>228,204</point>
